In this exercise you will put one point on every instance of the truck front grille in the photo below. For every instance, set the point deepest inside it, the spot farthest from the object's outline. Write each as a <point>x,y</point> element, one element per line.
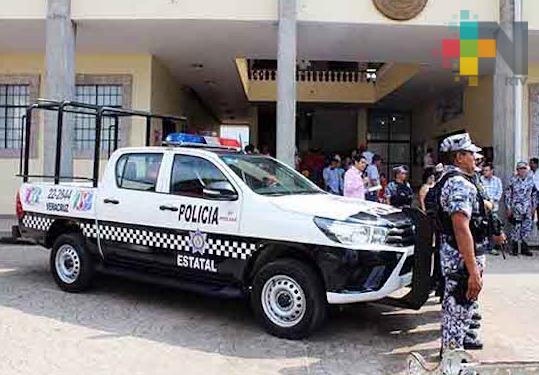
<point>402,231</point>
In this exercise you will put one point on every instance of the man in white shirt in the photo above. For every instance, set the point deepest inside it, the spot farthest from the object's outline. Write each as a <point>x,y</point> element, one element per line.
<point>373,173</point>
<point>368,155</point>
<point>492,185</point>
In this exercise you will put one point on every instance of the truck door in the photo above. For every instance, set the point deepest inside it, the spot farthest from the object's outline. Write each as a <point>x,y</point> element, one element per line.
<point>184,223</point>
<point>126,205</point>
<point>202,212</point>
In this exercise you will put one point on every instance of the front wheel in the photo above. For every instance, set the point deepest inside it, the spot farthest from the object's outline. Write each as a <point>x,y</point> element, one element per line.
<point>72,267</point>
<point>288,299</point>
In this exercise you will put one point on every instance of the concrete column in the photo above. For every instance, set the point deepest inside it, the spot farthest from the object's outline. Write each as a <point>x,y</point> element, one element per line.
<point>253,131</point>
<point>59,82</point>
<point>362,124</point>
<point>286,82</point>
<point>518,95</point>
<point>504,105</point>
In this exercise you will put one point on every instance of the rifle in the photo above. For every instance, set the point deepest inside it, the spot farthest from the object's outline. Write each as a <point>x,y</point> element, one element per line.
<point>496,229</point>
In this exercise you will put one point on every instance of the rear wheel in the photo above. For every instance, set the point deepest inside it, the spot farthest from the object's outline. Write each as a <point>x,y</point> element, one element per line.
<point>288,299</point>
<point>72,267</point>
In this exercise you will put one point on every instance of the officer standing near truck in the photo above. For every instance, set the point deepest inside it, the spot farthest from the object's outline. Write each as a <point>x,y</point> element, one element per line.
<point>398,192</point>
<point>464,239</point>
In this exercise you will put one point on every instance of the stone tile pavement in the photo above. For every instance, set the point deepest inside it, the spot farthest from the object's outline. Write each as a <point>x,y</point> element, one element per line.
<point>121,327</point>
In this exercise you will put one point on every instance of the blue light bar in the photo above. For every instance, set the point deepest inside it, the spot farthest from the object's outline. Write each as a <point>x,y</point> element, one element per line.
<point>183,138</point>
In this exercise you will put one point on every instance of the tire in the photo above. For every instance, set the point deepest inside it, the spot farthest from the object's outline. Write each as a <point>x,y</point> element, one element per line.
<point>273,287</point>
<point>72,267</point>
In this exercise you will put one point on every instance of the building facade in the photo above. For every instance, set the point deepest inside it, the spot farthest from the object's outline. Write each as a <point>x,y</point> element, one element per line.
<point>367,73</point>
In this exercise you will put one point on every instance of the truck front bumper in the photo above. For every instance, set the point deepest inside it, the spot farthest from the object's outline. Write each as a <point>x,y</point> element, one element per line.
<point>397,280</point>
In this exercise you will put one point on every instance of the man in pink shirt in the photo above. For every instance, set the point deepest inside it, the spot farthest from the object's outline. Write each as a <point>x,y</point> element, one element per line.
<point>354,180</point>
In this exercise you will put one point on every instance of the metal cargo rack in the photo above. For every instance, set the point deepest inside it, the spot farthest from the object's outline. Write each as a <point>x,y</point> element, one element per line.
<point>73,107</point>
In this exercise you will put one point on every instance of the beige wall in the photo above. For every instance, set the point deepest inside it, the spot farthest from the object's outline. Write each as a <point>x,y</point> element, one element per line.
<point>138,66</point>
<point>198,115</point>
<point>170,97</point>
<point>13,65</point>
<point>437,12</point>
<point>530,13</point>
<point>166,91</point>
<point>152,88</point>
<point>477,118</point>
<point>362,126</point>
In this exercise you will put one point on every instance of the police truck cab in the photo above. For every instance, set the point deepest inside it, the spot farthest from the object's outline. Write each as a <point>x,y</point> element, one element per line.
<point>198,214</point>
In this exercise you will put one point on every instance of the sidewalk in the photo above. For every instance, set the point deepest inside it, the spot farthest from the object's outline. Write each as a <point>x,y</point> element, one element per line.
<point>6,222</point>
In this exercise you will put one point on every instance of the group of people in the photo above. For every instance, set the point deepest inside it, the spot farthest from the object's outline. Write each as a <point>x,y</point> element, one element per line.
<point>520,197</point>
<point>463,199</point>
<point>359,176</point>
<point>467,197</point>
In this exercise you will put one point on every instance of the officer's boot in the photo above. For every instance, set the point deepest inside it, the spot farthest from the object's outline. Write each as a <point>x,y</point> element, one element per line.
<point>471,334</point>
<point>472,343</point>
<point>474,324</point>
<point>514,248</point>
<point>476,316</point>
<point>526,250</point>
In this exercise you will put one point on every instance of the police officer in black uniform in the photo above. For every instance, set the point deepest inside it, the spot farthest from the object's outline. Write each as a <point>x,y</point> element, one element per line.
<point>398,192</point>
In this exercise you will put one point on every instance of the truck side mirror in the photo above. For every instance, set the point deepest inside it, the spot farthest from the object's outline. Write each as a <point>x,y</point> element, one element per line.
<point>220,191</point>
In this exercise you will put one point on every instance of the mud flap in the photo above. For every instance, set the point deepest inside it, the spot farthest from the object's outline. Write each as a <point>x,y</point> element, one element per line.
<point>422,268</point>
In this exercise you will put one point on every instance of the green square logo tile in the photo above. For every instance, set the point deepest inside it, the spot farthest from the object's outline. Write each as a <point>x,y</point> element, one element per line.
<point>469,48</point>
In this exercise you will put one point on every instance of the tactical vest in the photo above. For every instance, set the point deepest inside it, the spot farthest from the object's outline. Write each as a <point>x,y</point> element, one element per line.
<point>479,225</point>
<point>402,197</point>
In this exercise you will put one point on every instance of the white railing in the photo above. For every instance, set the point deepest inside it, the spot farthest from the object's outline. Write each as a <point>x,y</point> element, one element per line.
<point>312,75</point>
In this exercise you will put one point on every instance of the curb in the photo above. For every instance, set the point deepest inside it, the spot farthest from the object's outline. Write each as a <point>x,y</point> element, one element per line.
<point>8,240</point>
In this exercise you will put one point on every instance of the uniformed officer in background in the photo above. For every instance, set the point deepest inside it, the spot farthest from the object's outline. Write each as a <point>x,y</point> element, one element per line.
<point>398,192</point>
<point>465,234</point>
<point>521,203</point>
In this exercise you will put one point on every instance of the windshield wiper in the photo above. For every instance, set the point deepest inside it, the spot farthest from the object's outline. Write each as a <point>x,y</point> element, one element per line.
<point>275,193</point>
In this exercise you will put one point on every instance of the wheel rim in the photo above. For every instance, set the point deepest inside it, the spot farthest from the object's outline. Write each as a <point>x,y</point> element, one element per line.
<point>283,301</point>
<point>67,264</point>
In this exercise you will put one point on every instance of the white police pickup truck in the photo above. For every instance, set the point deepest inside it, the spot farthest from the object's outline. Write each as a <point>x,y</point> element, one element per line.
<point>211,219</point>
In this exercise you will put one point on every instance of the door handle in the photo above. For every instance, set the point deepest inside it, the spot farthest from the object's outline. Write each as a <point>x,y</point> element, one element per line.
<point>111,201</point>
<point>168,208</point>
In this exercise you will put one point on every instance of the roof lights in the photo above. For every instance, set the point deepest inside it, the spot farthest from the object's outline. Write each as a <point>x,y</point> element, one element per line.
<point>193,140</point>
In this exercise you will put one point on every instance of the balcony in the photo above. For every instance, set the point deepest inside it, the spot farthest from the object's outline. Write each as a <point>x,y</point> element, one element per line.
<point>352,83</point>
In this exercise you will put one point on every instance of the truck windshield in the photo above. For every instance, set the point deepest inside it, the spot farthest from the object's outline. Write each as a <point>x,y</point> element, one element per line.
<point>268,177</point>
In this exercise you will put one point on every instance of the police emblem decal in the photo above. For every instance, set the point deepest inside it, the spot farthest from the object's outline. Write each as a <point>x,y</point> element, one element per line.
<point>197,241</point>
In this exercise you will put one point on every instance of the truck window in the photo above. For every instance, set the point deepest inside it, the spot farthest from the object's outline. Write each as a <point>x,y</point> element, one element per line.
<point>138,171</point>
<point>190,174</point>
<point>266,176</point>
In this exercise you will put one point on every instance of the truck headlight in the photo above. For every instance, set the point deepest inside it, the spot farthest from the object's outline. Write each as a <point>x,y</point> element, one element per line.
<point>352,234</point>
